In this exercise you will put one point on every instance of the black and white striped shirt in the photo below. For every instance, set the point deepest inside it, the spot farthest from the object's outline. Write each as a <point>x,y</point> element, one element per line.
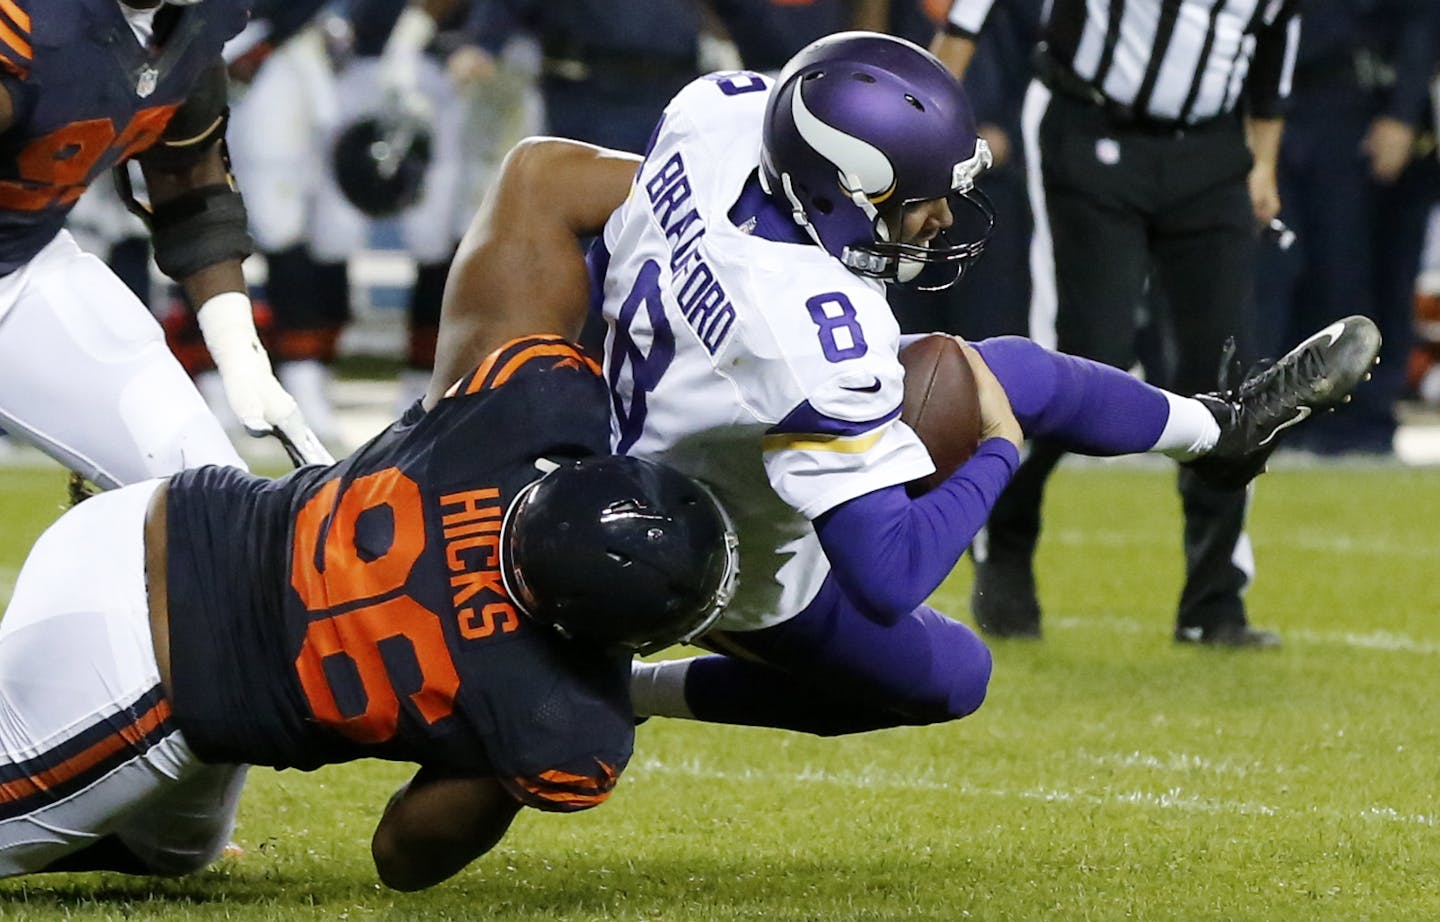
<point>1169,60</point>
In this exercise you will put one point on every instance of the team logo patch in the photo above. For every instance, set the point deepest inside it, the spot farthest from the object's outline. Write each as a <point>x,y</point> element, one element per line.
<point>145,85</point>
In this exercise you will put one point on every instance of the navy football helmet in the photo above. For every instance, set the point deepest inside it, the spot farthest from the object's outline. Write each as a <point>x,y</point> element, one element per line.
<point>858,123</point>
<point>620,552</point>
<point>380,163</point>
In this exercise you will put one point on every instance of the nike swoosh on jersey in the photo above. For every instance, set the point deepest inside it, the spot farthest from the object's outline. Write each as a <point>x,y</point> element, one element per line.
<point>870,388</point>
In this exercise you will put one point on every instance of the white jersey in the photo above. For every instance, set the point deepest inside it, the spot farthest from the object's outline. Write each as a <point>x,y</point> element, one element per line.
<point>765,369</point>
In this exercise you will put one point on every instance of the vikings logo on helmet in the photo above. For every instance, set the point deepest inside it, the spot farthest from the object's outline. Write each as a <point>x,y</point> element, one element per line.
<point>859,123</point>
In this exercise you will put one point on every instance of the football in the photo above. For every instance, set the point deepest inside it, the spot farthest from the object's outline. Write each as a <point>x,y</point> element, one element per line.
<point>941,405</point>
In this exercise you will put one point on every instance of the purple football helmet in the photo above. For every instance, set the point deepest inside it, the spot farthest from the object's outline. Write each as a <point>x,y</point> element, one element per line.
<point>858,122</point>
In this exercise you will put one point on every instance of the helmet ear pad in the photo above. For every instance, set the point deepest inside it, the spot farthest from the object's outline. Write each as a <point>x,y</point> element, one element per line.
<point>380,163</point>
<point>619,552</point>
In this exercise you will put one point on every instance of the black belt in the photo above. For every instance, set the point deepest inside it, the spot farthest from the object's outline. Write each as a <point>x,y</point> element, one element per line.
<point>1065,82</point>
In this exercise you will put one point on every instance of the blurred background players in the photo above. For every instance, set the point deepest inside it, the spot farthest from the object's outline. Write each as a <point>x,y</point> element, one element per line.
<point>608,68</point>
<point>413,70</point>
<point>284,118</point>
<point>995,296</point>
<point>1358,179</point>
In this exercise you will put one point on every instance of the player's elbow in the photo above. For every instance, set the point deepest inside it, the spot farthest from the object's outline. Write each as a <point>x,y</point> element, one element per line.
<point>886,601</point>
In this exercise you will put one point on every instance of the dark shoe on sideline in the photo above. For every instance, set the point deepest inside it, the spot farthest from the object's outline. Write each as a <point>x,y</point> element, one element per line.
<point>1316,375</point>
<point>1229,635</point>
<point>1003,600</point>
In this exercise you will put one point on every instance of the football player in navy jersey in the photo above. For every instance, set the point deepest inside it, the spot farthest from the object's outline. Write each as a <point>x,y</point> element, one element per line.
<point>741,275</point>
<point>465,592</point>
<point>86,85</point>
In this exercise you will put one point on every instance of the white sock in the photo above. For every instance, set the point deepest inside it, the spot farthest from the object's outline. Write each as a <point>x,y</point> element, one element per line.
<point>1190,430</point>
<point>658,689</point>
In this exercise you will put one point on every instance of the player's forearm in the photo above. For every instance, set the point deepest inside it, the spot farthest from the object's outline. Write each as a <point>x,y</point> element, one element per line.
<point>434,826</point>
<point>1263,136</point>
<point>890,552</point>
<point>199,223</point>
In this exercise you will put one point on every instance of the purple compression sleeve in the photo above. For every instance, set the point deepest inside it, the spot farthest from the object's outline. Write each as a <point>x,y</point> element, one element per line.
<point>889,552</point>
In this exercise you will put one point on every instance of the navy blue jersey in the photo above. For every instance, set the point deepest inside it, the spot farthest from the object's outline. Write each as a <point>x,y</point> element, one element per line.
<point>87,94</point>
<point>358,611</point>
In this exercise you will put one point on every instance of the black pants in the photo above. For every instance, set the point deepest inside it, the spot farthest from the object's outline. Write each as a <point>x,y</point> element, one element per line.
<point>1127,206</point>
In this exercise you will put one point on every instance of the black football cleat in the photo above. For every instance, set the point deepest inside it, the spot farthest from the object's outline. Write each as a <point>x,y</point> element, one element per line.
<point>1234,636</point>
<point>1315,376</point>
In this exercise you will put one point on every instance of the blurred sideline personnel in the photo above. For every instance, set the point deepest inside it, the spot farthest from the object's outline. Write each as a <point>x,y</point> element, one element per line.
<point>284,118</point>
<point>399,85</point>
<point>767,33</point>
<point>87,376</point>
<point>750,345</point>
<point>465,591</point>
<point>994,299</point>
<point>1157,152</point>
<point>609,67</point>
<point>1358,180</point>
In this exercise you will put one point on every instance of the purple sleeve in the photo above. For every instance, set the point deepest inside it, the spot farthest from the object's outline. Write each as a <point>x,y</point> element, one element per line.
<point>890,552</point>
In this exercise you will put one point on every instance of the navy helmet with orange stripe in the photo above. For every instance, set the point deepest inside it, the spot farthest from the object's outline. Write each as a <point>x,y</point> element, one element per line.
<point>620,552</point>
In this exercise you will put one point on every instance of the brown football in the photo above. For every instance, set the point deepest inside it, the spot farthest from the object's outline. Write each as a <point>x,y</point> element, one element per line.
<point>941,405</point>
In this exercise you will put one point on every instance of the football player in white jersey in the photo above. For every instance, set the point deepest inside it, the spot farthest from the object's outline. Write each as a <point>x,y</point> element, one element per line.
<point>742,280</point>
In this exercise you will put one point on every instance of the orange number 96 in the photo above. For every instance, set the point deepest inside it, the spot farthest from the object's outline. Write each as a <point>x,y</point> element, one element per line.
<point>334,574</point>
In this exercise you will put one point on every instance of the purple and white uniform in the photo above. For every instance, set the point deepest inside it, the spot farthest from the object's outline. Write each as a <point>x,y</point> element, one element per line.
<point>765,369</point>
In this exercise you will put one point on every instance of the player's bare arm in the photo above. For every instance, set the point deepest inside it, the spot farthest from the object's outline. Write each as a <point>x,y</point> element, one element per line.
<point>520,269</point>
<point>435,825</point>
<point>170,186</point>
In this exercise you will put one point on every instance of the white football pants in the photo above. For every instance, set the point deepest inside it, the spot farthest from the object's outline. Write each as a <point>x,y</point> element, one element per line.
<point>86,376</point>
<point>87,746</point>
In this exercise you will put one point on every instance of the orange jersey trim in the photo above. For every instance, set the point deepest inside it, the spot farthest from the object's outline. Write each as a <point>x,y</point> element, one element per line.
<point>16,41</point>
<point>571,791</point>
<point>17,15</point>
<point>517,352</point>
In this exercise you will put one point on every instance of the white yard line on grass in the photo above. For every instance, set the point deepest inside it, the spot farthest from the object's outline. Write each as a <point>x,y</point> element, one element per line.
<point>1368,546</point>
<point>1172,799</point>
<point>1383,641</point>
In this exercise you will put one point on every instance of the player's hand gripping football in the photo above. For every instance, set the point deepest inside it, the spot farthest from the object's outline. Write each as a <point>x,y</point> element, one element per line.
<point>262,405</point>
<point>997,419</point>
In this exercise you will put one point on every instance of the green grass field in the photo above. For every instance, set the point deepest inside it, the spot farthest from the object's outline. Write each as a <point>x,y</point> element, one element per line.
<point>1111,775</point>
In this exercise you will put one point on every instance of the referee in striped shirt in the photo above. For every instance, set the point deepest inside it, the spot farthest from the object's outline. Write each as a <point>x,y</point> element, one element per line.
<point>1158,148</point>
